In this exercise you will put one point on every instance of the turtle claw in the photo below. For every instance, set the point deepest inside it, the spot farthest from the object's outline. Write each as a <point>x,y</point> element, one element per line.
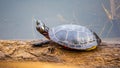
<point>51,50</point>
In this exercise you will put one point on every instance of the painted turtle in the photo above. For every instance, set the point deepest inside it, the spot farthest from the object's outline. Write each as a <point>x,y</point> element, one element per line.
<point>71,36</point>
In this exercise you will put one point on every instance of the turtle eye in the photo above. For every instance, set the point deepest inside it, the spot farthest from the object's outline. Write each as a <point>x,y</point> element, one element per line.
<point>42,27</point>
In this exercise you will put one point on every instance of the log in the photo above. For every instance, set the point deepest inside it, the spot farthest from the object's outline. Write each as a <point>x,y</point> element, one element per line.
<point>106,55</point>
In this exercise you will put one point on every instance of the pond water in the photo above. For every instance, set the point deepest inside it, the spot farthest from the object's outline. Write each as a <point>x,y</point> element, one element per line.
<point>16,17</point>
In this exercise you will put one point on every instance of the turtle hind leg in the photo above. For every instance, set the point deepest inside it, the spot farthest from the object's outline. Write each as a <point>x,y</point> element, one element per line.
<point>98,38</point>
<point>39,44</point>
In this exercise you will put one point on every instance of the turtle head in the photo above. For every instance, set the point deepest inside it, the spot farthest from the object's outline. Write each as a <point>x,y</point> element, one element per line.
<point>40,25</point>
<point>42,28</point>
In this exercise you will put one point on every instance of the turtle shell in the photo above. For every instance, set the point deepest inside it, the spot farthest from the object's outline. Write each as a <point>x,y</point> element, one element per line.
<point>73,36</point>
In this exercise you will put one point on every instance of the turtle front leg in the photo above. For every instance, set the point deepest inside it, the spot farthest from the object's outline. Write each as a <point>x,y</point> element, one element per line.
<point>38,44</point>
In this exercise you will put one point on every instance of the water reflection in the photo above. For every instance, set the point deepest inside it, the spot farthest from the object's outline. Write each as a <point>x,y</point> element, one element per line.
<point>16,17</point>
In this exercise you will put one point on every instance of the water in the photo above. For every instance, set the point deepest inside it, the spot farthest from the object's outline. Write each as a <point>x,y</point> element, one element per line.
<point>16,16</point>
